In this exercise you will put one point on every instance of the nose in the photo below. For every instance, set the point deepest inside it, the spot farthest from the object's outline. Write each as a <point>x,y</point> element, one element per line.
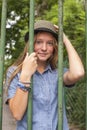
<point>44,46</point>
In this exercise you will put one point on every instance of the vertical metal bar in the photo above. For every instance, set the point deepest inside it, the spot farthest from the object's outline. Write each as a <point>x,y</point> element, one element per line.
<point>31,41</point>
<point>86,55</point>
<point>60,66</point>
<point>2,46</point>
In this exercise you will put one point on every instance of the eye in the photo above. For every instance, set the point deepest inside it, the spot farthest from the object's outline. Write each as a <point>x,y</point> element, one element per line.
<point>50,43</point>
<point>38,42</point>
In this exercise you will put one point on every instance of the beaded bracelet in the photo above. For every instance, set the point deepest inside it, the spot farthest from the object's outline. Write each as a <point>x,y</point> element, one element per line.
<point>23,87</point>
<point>25,82</point>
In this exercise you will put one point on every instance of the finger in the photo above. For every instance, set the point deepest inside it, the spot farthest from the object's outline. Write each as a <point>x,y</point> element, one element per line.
<point>56,27</point>
<point>27,54</point>
<point>35,58</point>
<point>35,62</point>
<point>33,54</point>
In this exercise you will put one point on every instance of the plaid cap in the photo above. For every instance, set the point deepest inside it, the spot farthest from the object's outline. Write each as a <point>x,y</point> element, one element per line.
<point>43,25</point>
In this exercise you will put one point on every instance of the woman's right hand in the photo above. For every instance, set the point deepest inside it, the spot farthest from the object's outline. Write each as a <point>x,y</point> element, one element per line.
<point>29,66</point>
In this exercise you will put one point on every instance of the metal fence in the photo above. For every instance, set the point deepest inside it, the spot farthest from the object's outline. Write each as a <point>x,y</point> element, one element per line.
<point>76,106</point>
<point>2,46</point>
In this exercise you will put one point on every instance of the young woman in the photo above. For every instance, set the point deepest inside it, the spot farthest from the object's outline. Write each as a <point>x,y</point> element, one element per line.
<point>42,65</point>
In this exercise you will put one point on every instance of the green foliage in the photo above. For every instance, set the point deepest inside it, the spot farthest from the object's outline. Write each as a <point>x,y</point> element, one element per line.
<point>16,31</point>
<point>76,104</point>
<point>74,25</point>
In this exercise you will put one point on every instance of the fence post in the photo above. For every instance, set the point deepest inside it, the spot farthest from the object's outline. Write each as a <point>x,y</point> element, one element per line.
<point>60,66</point>
<point>86,54</point>
<point>2,46</point>
<point>31,41</point>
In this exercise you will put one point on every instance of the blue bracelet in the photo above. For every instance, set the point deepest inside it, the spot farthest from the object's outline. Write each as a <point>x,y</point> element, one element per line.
<point>23,87</point>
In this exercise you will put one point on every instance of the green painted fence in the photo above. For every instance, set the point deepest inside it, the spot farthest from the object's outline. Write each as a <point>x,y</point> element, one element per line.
<point>31,41</point>
<point>2,46</point>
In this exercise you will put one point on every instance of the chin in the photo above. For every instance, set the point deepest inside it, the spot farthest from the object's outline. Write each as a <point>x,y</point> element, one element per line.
<point>42,59</point>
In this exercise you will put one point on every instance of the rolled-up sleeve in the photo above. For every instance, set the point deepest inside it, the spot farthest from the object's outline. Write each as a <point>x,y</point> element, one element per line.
<point>11,90</point>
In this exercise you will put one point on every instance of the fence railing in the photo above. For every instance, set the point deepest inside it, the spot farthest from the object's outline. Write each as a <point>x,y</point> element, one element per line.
<point>2,46</point>
<point>60,65</point>
<point>31,41</point>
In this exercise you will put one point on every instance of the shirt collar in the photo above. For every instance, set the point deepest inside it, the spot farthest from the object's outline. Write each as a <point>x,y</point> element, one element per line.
<point>48,68</point>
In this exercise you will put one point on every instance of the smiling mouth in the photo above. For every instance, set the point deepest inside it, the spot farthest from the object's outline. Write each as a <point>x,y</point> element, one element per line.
<point>42,54</point>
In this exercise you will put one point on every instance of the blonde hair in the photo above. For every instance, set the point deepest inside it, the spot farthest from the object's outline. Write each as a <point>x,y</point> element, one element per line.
<point>18,63</point>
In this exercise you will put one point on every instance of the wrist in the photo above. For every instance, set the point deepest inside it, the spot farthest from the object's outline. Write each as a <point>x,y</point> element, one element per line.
<point>25,83</point>
<point>66,40</point>
<point>24,87</point>
<point>25,78</point>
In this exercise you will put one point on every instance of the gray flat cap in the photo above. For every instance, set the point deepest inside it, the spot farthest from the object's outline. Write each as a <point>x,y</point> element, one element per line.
<point>43,25</point>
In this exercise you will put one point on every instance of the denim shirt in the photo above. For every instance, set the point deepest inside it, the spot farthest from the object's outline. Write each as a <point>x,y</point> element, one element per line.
<point>45,101</point>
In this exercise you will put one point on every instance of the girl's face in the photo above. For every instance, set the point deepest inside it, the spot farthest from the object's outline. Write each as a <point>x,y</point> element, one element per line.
<point>44,46</point>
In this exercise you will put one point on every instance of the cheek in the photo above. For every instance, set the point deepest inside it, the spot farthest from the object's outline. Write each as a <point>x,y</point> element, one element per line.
<point>36,48</point>
<point>51,50</point>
